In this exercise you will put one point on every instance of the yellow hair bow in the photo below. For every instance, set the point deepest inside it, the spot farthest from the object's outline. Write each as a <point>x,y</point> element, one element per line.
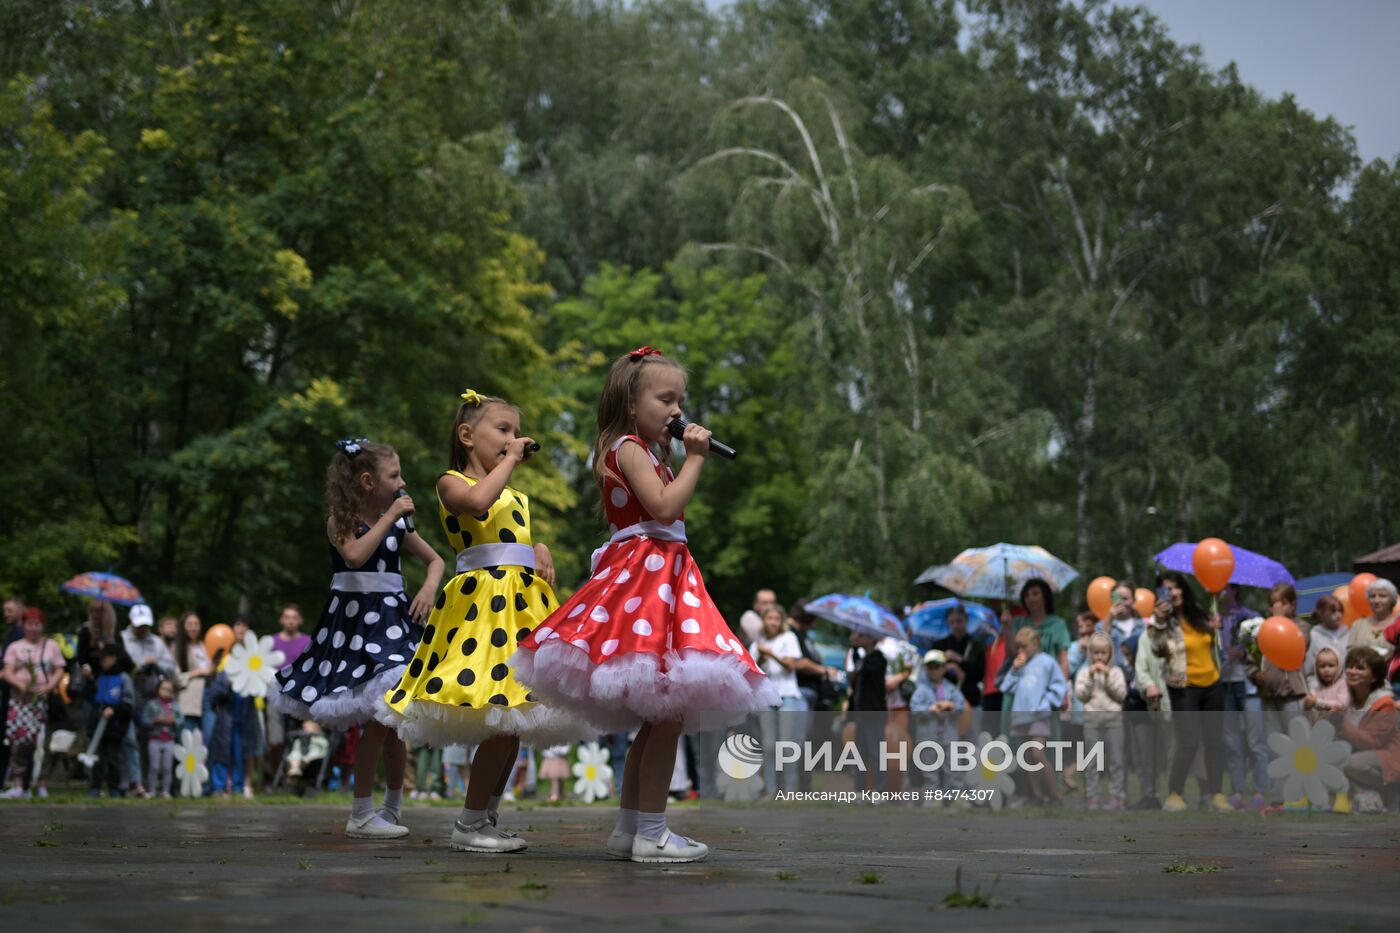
<point>472,397</point>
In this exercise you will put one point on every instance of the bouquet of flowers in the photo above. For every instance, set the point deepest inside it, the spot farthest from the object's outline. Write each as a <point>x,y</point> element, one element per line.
<point>1248,638</point>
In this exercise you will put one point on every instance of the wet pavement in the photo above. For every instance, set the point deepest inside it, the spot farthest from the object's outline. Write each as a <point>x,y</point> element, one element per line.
<point>151,866</point>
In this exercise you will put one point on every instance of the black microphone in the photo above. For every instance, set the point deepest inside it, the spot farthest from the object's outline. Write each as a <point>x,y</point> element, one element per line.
<point>407,519</point>
<point>677,428</point>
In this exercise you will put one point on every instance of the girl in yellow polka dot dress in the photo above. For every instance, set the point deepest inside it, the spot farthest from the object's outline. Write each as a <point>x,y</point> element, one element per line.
<point>458,689</point>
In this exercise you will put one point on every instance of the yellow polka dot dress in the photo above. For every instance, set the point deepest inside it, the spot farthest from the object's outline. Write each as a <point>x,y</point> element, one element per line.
<point>458,687</point>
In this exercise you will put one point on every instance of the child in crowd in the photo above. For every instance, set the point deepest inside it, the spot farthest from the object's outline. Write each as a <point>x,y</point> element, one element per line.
<point>937,709</point>
<point>1101,687</point>
<point>114,700</point>
<point>161,718</point>
<point>1072,719</point>
<point>1039,687</point>
<point>427,775</point>
<point>554,768</point>
<point>1327,690</point>
<point>307,749</point>
<point>456,769</point>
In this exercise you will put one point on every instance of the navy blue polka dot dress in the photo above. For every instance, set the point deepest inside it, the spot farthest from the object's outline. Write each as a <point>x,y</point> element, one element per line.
<point>361,646</point>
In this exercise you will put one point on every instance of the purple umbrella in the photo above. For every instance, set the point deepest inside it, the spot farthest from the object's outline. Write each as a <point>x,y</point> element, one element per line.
<point>1251,569</point>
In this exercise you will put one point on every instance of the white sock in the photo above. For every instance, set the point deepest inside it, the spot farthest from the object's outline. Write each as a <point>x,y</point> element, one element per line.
<point>393,800</point>
<point>651,825</point>
<point>627,821</point>
<point>468,817</point>
<point>494,804</point>
<point>362,807</point>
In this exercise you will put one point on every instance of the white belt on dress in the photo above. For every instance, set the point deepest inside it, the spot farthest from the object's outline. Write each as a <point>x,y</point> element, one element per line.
<point>367,581</point>
<point>496,555</point>
<point>675,531</point>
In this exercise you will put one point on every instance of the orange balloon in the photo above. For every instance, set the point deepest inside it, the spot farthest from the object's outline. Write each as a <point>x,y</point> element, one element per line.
<point>218,636</point>
<point>1101,596</point>
<point>1359,585</point>
<point>1342,594</point>
<point>1213,562</point>
<point>1144,601</point>
<point>1282,643</point>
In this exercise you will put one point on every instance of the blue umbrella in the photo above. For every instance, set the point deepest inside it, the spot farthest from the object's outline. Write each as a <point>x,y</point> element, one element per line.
<point>1311,589</point>
<point>928,622</point>
<point>859,613</point>
<point>1251,569</point>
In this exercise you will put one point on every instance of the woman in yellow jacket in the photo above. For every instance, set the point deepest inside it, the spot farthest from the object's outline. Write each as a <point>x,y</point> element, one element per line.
<point>1188,642</point>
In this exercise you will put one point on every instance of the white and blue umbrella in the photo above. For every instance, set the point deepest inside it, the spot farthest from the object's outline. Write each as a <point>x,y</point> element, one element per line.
<point>928,622</point>
<point>858,613</point>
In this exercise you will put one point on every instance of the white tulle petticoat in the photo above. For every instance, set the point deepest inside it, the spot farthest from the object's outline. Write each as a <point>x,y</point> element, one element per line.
<point>353,707</point>
<point>438,724</point>
<point>702,690</point>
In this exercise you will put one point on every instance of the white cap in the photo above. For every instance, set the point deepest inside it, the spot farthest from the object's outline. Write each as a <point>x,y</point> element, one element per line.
<point>141,615</point>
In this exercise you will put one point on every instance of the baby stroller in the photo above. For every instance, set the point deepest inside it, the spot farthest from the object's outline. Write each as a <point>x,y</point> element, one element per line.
<point>307,763</point>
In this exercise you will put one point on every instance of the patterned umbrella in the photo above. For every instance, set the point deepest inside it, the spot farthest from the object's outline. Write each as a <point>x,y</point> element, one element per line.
<point>999,571</point>
<point>928,622</point>
<point>108,586</point>
<point>859,613</point>
<point>1251,569</point>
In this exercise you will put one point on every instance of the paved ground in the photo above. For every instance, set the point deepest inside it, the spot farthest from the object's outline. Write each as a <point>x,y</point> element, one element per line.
<point>149,866</point>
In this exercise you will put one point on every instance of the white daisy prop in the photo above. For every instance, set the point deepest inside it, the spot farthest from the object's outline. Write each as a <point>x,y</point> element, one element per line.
<point>738,790</point>
<point>593,772</point>
<point>252,665</point>
<point>1309,760</point>
<point>998,782</point>
<point>189,764</point>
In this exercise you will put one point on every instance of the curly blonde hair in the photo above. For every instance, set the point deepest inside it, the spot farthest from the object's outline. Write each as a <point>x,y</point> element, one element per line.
<point>344,498</point>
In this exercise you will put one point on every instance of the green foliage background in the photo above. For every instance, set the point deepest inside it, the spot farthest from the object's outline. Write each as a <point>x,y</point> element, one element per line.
<point>946,275</point>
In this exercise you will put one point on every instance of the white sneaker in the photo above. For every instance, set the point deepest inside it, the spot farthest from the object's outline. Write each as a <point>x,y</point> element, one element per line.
<point>248,791</point>
<point>15,793</point>
<point>373,826</point>
<point>620,844</point>
<point>669,848</point>
<point>481,836</point>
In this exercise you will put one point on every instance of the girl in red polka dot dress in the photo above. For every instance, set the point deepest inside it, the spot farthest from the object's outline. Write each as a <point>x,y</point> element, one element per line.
<point>641,645</point>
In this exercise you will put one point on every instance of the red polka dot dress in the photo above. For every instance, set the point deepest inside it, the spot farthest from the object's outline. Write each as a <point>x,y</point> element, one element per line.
<point>641,640</point>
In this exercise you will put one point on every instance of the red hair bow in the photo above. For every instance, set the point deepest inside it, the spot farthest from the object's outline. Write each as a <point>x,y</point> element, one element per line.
<point>640,352</point>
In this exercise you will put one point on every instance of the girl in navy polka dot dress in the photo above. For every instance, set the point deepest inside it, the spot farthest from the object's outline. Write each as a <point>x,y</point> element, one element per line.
<point>370,627</point>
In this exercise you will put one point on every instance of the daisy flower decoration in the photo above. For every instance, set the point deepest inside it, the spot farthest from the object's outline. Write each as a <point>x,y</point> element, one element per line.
<point>1309,760</point>
<point>252,665</point>
<point>998,781</point>
<point>593,772</point>
<point>189,764</point>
